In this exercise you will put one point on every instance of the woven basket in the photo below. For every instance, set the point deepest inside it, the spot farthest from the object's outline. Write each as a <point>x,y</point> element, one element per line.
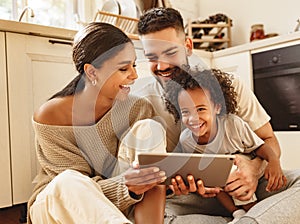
<point>126,24</point>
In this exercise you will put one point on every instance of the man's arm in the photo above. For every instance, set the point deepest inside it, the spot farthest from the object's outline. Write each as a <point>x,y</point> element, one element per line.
<point>266,133</point>
<point>252,112</point>
<point>243,183</point>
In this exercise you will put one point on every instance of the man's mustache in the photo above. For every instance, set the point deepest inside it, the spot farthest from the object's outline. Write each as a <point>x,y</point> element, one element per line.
<point>168,70</point>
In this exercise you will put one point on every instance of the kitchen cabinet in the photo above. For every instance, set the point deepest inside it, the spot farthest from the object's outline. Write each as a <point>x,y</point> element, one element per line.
<point>5,174</point>
<point>37,68</point>
<point>239,64</point>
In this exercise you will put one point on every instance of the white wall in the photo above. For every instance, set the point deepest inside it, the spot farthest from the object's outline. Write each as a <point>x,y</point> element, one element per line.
<point>189,9</point>
<point>290,149</point>
<point>277,16</point>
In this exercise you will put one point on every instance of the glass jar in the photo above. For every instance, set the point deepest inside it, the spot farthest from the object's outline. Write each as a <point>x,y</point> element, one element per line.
<point>257,32</point>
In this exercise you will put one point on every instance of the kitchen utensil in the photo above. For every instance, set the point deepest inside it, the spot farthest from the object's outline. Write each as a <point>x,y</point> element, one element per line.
<point>111,6</point>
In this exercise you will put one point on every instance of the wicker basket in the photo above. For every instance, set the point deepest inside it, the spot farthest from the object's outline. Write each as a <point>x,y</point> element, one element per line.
<point>126,24</point>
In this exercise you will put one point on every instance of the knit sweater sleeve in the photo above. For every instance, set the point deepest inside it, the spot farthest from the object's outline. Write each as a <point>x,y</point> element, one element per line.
<point>60,148</point>
<point>114,188</point>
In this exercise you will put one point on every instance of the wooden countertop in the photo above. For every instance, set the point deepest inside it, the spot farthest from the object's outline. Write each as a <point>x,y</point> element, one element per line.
<point>258,44</point>
<point>37,30</point>
<point>41,30</point>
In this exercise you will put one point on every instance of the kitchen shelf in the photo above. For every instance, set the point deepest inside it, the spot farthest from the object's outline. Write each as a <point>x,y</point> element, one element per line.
<point>212,37</point>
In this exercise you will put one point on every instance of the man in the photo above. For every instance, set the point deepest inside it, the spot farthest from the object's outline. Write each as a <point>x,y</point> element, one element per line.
<point>167,48</point>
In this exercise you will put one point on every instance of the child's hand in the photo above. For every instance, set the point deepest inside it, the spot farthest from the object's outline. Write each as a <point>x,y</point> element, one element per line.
<point>180,188</point>
<point>275,177</point>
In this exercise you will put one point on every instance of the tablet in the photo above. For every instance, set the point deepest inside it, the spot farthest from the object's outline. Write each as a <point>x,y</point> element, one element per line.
<point>213,169</point>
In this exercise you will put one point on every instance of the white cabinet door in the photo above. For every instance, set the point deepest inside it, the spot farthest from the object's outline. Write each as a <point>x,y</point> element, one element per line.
<point>5,175</point>
<point>37,68</point>
<point>239,64</point>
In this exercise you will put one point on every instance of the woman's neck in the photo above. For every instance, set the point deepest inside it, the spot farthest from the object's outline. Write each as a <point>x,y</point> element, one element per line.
<point>89,109</point>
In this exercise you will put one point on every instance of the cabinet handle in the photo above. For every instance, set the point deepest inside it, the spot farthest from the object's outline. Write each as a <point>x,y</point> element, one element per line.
<point>60,42</point>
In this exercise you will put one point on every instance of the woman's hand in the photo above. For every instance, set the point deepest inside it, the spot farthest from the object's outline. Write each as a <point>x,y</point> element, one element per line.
<point>179,187</point>
<point>242,183</point>
<point>139,180</point>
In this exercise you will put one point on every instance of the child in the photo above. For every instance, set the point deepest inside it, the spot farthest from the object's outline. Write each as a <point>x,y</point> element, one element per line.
<point>206,103</point>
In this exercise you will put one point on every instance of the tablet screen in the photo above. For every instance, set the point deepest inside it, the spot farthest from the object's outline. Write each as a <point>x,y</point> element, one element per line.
<point>212,169</point>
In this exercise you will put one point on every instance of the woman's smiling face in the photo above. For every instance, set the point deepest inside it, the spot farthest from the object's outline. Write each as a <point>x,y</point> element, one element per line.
<point>117,74</point>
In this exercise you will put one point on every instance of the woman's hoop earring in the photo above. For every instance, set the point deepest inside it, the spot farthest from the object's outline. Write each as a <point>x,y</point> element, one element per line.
<point>94,82</point>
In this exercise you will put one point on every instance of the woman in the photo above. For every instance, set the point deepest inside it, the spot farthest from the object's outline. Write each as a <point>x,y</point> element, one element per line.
<point>78,132</point>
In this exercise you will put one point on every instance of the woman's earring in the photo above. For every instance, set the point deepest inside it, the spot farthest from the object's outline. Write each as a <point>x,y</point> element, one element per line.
<point>219,110</point>
<point>94,82</point>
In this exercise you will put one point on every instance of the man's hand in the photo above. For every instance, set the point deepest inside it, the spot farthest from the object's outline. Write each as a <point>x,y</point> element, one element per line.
<point>179,187</point>
<point>242,183</point>
<point>275,176</point>
<point>139,180</point>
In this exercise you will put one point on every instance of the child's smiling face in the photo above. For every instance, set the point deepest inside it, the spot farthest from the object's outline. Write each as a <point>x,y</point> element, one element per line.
<point>198,113</point>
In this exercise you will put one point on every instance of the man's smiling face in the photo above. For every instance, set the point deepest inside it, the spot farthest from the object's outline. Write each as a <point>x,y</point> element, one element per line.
<point>166,50</point>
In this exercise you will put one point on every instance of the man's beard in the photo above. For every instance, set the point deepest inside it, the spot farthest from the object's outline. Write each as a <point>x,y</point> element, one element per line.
<point>174,72</point>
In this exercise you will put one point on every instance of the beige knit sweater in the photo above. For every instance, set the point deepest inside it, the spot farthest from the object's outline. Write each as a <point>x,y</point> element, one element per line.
<point>91,150</point>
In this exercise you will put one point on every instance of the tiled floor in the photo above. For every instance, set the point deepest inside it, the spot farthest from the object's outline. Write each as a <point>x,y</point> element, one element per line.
<point>11,215</point>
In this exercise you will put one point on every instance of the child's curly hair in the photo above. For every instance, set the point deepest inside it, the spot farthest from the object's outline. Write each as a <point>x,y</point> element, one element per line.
<point>218,84</point>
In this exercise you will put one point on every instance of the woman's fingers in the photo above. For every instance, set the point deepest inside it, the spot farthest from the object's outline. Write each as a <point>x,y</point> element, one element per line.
<point>141,180</point>
<point>144,176</point>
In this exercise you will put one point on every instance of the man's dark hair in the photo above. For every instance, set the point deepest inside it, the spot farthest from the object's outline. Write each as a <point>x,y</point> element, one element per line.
<point>157,19</point>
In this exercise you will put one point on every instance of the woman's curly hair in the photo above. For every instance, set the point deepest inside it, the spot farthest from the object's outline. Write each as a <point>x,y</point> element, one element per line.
<point>218,83</point>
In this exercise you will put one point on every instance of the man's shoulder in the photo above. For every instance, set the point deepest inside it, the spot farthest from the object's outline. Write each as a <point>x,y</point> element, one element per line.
<point>153,87</point>
<point>231,120</point>
<point>153,93</point>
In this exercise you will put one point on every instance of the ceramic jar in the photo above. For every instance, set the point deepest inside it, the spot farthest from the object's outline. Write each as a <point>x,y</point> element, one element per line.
<point>257,32</point>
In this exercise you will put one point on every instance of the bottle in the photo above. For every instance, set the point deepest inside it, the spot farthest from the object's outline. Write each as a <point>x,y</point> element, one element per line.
<point>257,32</point>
